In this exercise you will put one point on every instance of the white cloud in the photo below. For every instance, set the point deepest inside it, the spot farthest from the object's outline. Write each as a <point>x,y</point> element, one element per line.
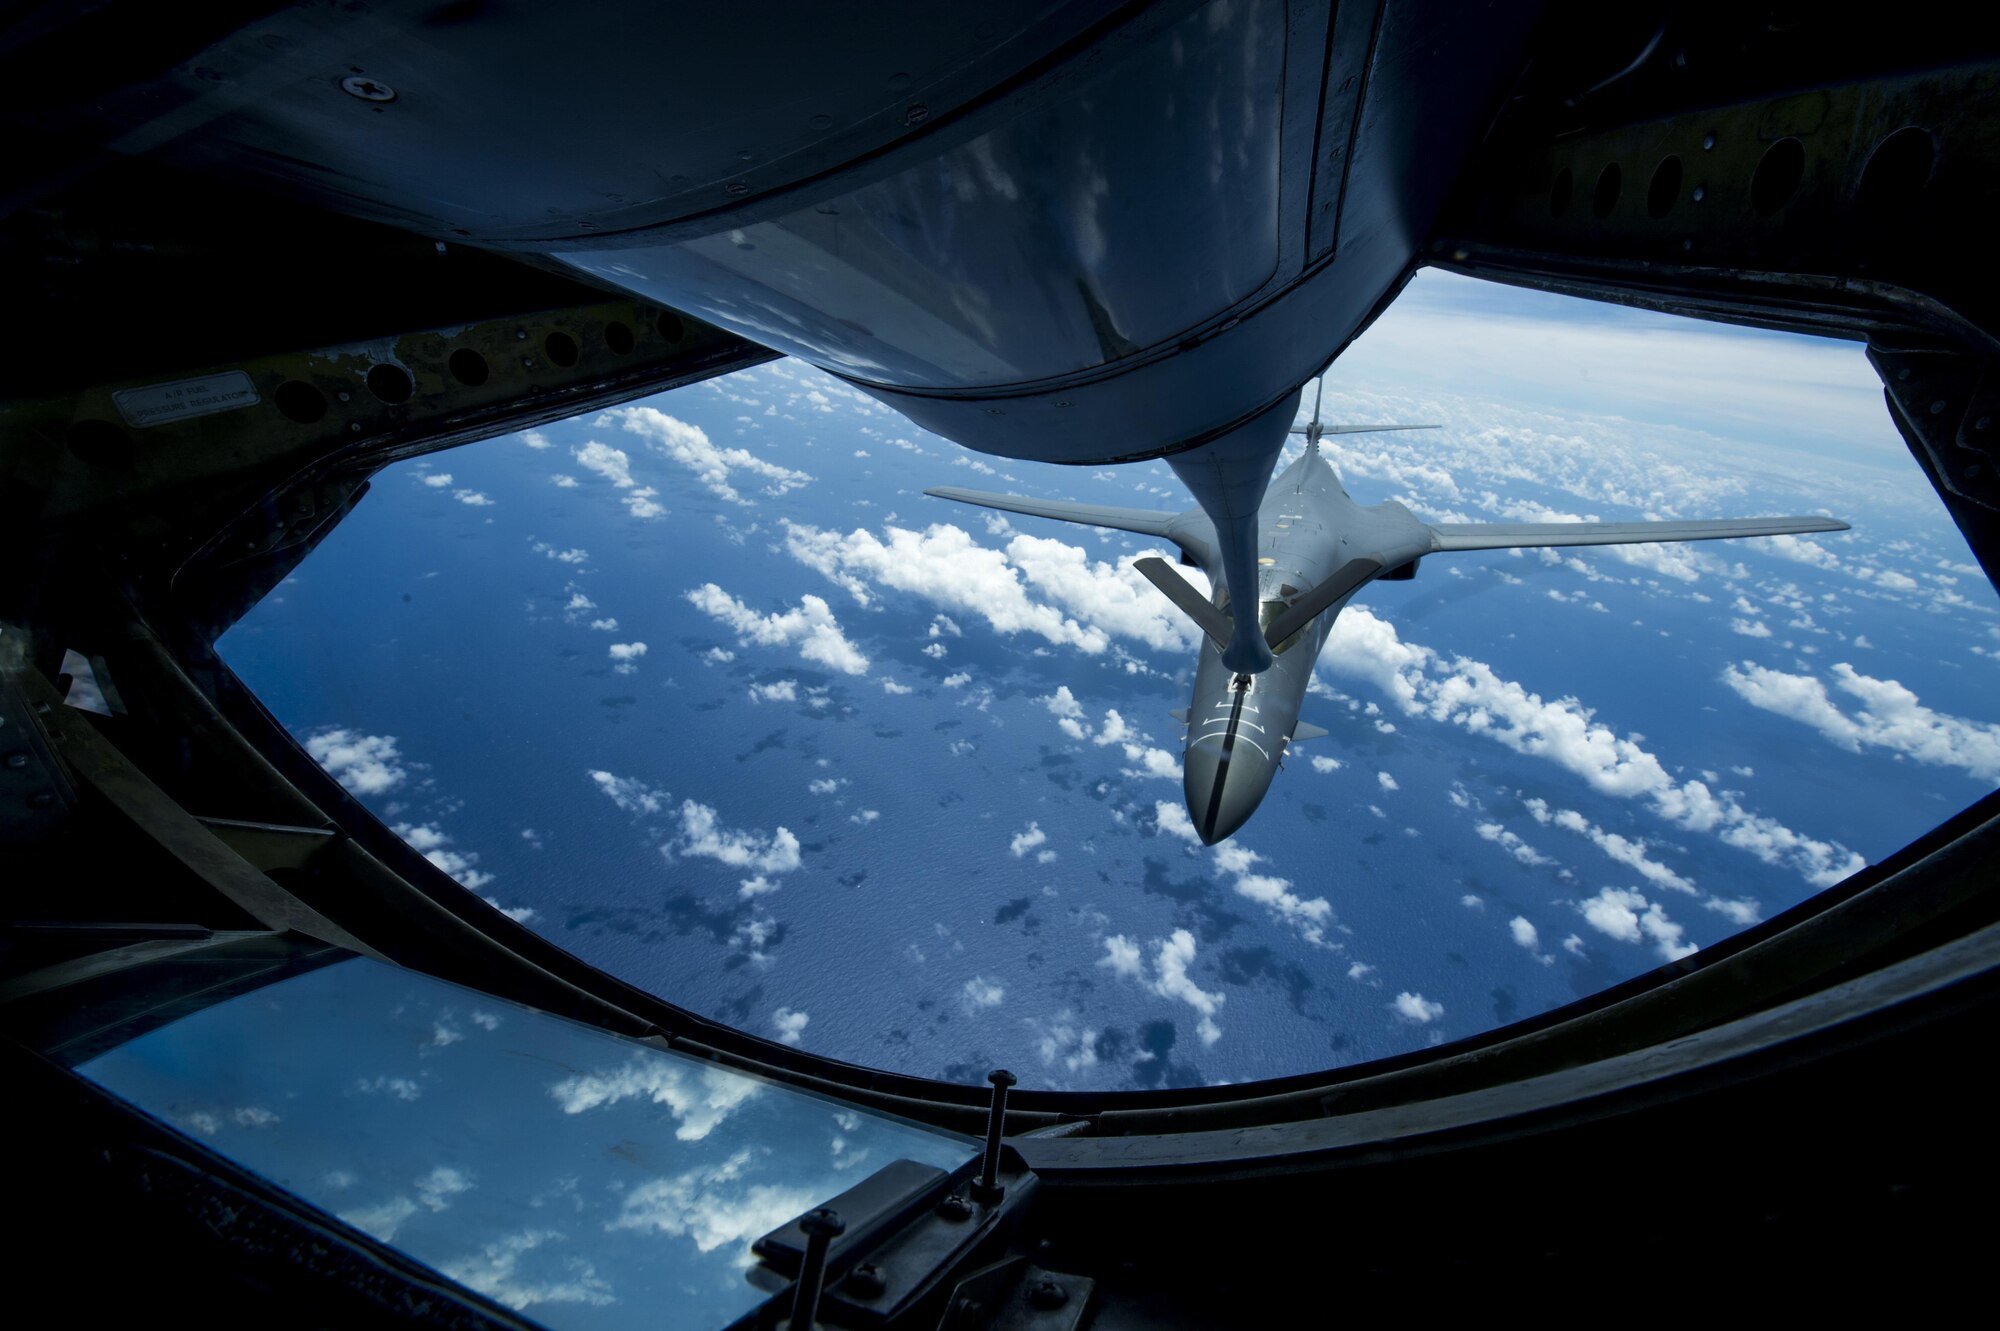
<point>574,555</point>
<point>701,835</point>
<point>716,468</point>
<point>495,1271</point>
<point>1525,934</point>
<point>431,843</point>
<point>811,626</point>
<point>613,464</point>
<point>791,1025</point>
<point>1386,781</point>
<point>1122,955</point>
<point>474,498</point>
<point>711,1206</point>
<point>438,480</point>
<point>700,1100</point>
<point>436,1189</point>
<point>1888,716</point>
<point>562,482</point>
<point>605,625</point>
<point>1086,603</point>
<point>784,690</point>
<point>1417,1008</point>
<point>1751,628</point>
<point>957,681</point>
<point>1326,764</point>
<point>627,651</point>
<point>1469,694</point>
<point>892,688</point>
<point>1173,819</point>
<point>1627,916</point>
<point>534,439</point>
<point>1309,916</point>
<point>980,992</point>
<point>364,764</point>
<point>1513,845</point>
<point>827,785</point>
<point>629,793</point>
<point>1024,842</point>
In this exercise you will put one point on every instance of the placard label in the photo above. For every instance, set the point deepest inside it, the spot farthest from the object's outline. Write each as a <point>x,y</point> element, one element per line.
<point>185,398</point>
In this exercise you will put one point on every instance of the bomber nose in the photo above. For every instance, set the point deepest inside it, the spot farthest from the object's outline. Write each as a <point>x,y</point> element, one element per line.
<point>1224,785</point>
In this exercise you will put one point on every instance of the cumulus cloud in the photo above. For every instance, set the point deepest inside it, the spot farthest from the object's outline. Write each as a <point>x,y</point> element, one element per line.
<point>699,1100</point>
<point>1172,818</point>
<point>497,1271</point>
<point>1527,936</point>
<point>1623,849</point>
<point>1885,715</point>
<point>713,1206</point>
<point>473,498</point>
<point>364,764</point>
<point>534,439</point>
<point>1513,845</point>
<point>438,480</point>
<point>1417,1008</point>
<point>790,1024</point>
<point>783,690</point>
<point>1626,915</point>
<point>980,992</point>
<point>703,835</point>
<point>1171,958</point>
<point>716,468</point>
<point>1469,694</point>
<point>811,627</point>
<point>1386,781</point>
<point>627,651</point>
<point>1024,842</point>
<point>433,845</point>
<point>1310,916</point>
<point>629,793</point>
<point>1082,603</point>
<point>1326,764</point>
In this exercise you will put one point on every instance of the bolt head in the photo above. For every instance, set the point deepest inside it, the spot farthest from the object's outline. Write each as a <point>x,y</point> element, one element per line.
<point>867,1281</point>
<point>737,189</point>
<point>1046,1293</point>
<point>822,1223</point>
<point>367,89</point>
<point>955,1207</point>
<point>1002,1077</point>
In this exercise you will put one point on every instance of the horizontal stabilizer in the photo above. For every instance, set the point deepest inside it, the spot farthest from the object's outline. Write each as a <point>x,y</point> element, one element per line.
<point>1343,581</point>
<point>1360,429</point>
<point>1521,535</point>
<point>1191,603</point>
<point>1143,521</point>
<point>1306,730</point>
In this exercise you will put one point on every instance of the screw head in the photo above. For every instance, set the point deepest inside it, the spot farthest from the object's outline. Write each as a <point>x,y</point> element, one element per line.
<point>737,189</point>
<point>822,1223</point>
<point>916,114</point>
<point>1046,1293</point>
<point>867,1281</point>
<point>367,89</point>
<point>17,761</point>
<point>955,1208</point>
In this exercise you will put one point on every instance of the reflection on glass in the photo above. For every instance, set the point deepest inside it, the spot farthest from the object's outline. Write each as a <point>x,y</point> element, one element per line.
<point>583,1178</point>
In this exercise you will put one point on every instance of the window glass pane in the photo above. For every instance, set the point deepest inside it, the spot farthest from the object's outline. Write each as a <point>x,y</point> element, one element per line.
<point>710,693</point>
<point>585,1179</point>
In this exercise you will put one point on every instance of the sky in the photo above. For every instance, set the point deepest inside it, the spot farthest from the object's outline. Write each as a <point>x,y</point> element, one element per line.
<point>705,690</point>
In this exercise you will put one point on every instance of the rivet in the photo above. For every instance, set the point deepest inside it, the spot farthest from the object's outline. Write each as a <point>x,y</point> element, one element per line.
<point>821,122</point>
<point>1982,422</point>
<point>916,114</point>
<point>1708,142</point>
<point>17,761</point>
<point>737,189</point>
<point>1700,193</point>
<point>1937,407</point>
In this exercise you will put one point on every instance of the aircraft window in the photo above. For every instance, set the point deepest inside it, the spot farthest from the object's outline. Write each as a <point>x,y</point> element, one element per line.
<point>705,690</point>
<point>587,1180</point>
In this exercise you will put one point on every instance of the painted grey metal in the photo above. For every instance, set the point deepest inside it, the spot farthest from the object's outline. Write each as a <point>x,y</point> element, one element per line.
<point>1306,550</point>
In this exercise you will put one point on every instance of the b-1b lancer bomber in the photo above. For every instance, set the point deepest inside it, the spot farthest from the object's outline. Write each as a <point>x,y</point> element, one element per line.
<point>1317,549</point>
